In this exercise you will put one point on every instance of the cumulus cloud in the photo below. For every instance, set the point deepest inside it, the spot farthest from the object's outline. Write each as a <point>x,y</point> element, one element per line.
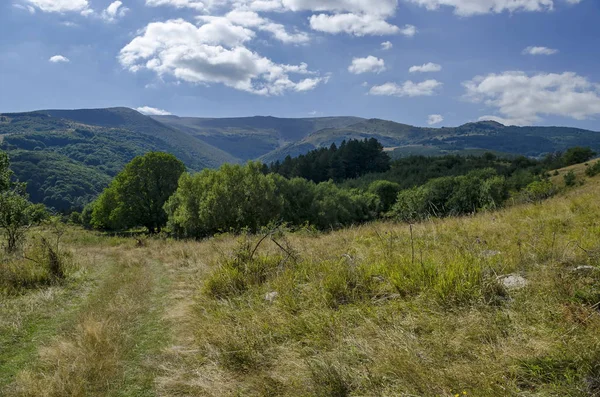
<point>428,67</point>
<point>114,11</point>
<point>434,119</point>
<point>386,45</point>
<point>476,7</point>
<point>251,19</point>
<point>355,17</point>
<point>354,24</point>
<point>408,88</point>
<point>213,53</point>
<point>539,51</point>
<point>522,99</point>
<point>195,4</point>
<point>150,111</point>
<point>369,64</point>
<point>60,6</point>
<point>59,59</point>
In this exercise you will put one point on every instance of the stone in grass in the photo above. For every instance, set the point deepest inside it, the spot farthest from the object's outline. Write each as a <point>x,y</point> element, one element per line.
<point>584,269</point>
<point>513,281</point>
<point>490,253</point>
<point>271,296</point>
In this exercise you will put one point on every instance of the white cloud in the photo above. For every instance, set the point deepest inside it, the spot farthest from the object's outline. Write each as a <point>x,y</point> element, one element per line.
<point>475,7</point>
<point>357,25</point>
<point>369,64</point>
<point>60,6</point>
<point>434,119</point>
<point>539,51</point>
<point>386,45</point>
<point>428,67</point>
<point>408,30</point>
<point>59,59</point>
<point>251,19</point>
<point>522,99</point>
<point>150,111</point>
<point>356,17</point>
<point>212,54</point>
<point>408,88</point>
<point>114,11</point>
<point>195,4</point>
<point>27,8</point>
<point>372,7</point>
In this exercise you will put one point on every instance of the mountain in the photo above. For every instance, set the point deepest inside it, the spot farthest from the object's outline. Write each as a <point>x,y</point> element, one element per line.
<point>248,138</point>
<point>68,156</point>
<point>401,139</point>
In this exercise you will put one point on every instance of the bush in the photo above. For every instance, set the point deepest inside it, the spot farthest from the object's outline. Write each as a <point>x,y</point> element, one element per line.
<point>570,178</point>
<point>232,198</point>
<point>593,170</point>
<point>481,189</point>
<point>386,191</point>
<point>539,190</point>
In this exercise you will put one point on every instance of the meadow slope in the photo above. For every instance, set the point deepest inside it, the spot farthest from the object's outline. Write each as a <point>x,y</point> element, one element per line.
<point>376,310</point>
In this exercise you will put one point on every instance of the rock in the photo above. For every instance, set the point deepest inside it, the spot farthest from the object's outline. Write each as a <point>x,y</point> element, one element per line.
<point>489,253</point>
<point>513,281</point>
<point>584,269</point>
<point>271,296</point>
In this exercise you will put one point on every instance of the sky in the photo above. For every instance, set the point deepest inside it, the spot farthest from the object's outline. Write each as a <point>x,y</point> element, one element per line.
<point>419,62</point>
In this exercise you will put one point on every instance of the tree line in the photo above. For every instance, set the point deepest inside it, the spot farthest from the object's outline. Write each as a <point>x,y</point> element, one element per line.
<point>154,191</point>
<point>351,159</point>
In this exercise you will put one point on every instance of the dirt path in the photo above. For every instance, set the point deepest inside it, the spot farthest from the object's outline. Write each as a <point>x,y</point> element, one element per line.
<point>98,342</point>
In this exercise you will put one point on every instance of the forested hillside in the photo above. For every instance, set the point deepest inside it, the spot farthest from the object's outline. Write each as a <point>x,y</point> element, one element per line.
<point>68,157</point>
<point>251,137</point>
<point>402,139</point>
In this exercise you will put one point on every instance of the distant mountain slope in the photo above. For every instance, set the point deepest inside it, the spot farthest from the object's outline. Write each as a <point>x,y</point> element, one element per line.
<point>68,157</point>
<point>196,154</point>
<point>485,135</point>
<point>251,137</point>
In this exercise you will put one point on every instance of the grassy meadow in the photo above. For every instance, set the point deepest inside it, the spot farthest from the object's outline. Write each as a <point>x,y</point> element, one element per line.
<point>382,309</point>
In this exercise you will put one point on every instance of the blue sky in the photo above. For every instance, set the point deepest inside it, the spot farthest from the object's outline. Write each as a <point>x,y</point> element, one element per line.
<point>517,61</point>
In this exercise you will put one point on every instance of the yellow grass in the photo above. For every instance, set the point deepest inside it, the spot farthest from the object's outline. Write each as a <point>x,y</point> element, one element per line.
<point>365,311</point>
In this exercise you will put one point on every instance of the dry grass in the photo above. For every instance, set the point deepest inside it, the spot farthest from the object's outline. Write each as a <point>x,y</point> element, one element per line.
<point>365,311</point>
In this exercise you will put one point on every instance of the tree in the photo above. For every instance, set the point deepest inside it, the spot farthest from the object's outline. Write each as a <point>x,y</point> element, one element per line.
<point>137,195</point>
<point>15,208</point>
<point>386,191</point>
<point>577,155</point>
<point>232,198</point>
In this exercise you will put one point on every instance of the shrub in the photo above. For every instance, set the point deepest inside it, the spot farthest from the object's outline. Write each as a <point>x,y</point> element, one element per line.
<point>570,178</point>
<point>539,190</point>
<point>593,170</point>
<point>386,191</point>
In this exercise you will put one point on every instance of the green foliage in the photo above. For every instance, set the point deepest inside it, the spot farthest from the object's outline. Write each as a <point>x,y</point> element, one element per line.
<point>351,160</point>
<point>67,158</point>
<point>481,189</point>
<point>570,178</point>
<point>593,170</point>
<point>386,191</point>
<point>576,155</point>
<point>16,211</point>
<point>232,198</point>
<point>138,193</point>
<point>324,205</point>
<point>539,190</point>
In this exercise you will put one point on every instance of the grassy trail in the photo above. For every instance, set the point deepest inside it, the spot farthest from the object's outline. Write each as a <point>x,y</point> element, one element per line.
<point>97,339</point>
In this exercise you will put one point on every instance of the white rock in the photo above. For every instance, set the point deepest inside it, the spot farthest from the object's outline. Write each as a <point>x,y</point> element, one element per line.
<point>513,281</point>
<point>271,296</point>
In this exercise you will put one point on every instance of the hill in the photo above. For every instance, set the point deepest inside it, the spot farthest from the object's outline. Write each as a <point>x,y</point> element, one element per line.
<point>251,137</point>
<point>68,156</point>
<point>402,139</point>
<point>503,303</point>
